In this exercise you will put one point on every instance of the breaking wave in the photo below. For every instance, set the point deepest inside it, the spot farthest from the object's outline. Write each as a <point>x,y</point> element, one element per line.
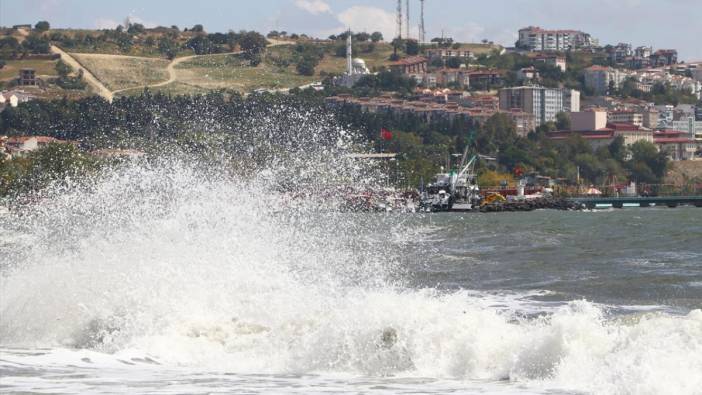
<point>211,269</point>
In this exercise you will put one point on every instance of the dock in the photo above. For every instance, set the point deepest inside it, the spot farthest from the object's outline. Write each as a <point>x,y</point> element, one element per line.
<point>641,201</point>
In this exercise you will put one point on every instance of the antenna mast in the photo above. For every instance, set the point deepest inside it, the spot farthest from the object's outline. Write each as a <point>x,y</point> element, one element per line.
<point>399,19</point>
<point>422,32</point>
<point>407,19</point>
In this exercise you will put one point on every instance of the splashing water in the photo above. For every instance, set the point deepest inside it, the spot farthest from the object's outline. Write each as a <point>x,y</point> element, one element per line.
<point>165,265</point>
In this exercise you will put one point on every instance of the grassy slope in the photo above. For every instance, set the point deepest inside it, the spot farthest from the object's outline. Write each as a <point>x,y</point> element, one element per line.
<point>122,72</point>
<point>230,71</point>
<point>43,68</point>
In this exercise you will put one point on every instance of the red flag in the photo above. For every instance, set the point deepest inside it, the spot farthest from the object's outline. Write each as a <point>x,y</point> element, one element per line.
<point>385,134</point>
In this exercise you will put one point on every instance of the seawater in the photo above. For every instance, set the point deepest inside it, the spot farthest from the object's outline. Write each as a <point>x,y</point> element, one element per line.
<point>157,279</point>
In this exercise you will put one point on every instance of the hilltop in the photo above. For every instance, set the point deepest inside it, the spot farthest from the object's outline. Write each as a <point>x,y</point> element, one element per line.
<point>126,60</point>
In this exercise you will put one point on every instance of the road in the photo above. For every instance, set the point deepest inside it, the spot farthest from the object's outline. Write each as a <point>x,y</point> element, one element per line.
<point>95,83</point>
<point>102,90</point>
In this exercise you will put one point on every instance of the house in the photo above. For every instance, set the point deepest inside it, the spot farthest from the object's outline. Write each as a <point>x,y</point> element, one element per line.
<point>526,74</point>
<point>13,98</point>
<point>552,60</point>
<point>27,77</point>
<point>410,65</point>
<point>20,145</point>
<point>444,53</point>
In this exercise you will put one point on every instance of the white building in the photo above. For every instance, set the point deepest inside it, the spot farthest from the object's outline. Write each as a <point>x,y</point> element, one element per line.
<point>535,38</point>
<point>599,78</point>
<point>690,126</point>
<point>543,103</point>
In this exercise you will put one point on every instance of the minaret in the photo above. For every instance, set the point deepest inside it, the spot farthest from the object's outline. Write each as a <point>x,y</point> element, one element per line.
<point>349,50</point>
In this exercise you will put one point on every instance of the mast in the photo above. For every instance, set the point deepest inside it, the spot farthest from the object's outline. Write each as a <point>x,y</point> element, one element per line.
<point>422,32</point>
<point>399,19</point>
<point>407,19</point>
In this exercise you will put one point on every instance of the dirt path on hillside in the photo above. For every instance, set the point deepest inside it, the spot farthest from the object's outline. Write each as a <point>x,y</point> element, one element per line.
<point>87,75</point>
<point>171,68</point>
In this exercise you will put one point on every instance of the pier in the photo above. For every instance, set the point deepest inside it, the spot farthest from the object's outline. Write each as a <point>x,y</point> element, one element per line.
<point>641,201</point>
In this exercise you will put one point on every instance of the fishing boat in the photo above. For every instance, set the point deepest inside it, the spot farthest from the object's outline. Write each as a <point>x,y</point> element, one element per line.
<point>456,190</point>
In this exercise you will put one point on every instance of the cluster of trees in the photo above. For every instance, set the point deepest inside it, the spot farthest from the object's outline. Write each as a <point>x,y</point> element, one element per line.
<point>10,47</point>
<point>423,146</point>
<point>66,81</point>
<point>36,170</point>
<point>358,37</point>
<point>167,41</point>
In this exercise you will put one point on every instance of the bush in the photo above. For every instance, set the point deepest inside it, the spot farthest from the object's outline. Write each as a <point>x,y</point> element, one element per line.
<point>306,66</point>
<point>41,26</point>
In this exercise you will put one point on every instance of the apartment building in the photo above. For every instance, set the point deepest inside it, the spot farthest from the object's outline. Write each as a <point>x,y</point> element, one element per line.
<point>599,78</point>
<point>544,103</point>
<point>535,38</point>
<point>626,116</point>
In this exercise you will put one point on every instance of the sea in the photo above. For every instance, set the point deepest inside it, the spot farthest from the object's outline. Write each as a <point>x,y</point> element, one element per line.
<point>156,280</point>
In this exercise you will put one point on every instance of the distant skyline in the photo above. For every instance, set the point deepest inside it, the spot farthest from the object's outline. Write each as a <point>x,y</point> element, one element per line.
<point>658,23</point>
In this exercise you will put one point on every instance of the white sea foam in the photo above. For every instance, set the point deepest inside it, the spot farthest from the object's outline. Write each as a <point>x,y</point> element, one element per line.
<point>159,269</point>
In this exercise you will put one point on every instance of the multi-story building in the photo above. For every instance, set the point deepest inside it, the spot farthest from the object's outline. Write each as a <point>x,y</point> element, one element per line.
<point>626,116</point>
<point>643,52</point>
<point>631,133</point>
<point>450,52</point>
<point>619,53</point>
<point>544,103</point>
<point>582,121</point>
<point>535,38</point>
<point>601,78</point>
<point>410,65</point>
<point>27,77</point>
<point>664,57</point>
<point>690,126</point>
<point>677,144</point>
<point>650,118</point>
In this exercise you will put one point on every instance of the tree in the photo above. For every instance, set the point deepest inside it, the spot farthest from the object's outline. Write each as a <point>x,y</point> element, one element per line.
<point>376,37</point>
<point>562,121</point>
<point>37,44</point>
<point>252,43</point>
<point>62,69</point>
<point>361,37</point>
<point>136,28</point>
<point>167,47</point>
<point>454,62</point>
<point>41,26</point>
<point>645,157</point>
<point>197,28</point>
<point>306,67</point>
<point>411,47</point>
<point>200,45</point>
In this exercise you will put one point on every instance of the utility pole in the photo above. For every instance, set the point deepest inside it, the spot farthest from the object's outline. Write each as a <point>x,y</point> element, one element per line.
<point>399,19</point>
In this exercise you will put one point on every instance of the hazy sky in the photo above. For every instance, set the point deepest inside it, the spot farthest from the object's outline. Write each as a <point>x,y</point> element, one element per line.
<point>660,23</point>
